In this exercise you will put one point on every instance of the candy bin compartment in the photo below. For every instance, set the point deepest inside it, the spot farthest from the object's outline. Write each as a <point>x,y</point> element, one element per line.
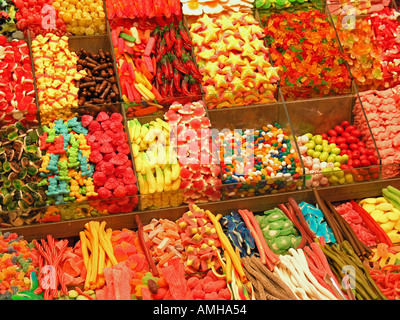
<point>234,61</point>
<point>174,158</point>
<point>18,101</point>
<point>261,157</point>
<point>60,17</point>
<point>304,47</point>
<point>340,7</point>
<point>334,147</point>
<point>380,108</point>
<point>20,158</point>
<point>156,164</point>
<point>369,44</point>
<point>63,84</point>
<point>153,69</point>
<point>87,159</point>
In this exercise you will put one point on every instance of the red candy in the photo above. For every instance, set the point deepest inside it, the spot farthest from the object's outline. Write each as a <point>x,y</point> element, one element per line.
<point>110,152</point>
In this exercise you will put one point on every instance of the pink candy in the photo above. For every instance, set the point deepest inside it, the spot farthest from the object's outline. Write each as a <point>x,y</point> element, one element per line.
<point>383,114</point>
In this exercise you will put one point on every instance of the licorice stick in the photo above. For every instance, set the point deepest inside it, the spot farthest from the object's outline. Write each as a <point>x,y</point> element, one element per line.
<point>274,278</point>
<point>304,236</point>
<point>301,218</point>
<point>144,246</point>
<point>329,218</point>
<point>270,292</point>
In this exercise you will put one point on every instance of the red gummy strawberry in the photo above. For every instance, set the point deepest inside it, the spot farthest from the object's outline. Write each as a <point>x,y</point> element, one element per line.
<point>104,193</point>
<point>116,126</point>
<point>130,178</point>
<point>111,183</point>
<point>119,192</point>
<point>94,126</point>
<point>86,120</point>
<point>105,125</point>
<point>108,168</point>
<point>119,159</point>
<point>99,178</point>
<point>109,156</point>
<point>131,189</point>
<point>117,117</point>
<point>120,171</point>
<point>106,148</point>
<point>102,116</point>
<point>124,148</point>
<point>106,137</point>
<point>95,156</point>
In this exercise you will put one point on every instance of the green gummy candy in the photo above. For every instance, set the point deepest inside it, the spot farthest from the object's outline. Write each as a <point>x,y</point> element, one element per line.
<point>73,294</point>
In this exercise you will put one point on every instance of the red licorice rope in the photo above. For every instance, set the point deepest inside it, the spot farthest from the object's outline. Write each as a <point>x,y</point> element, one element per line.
<point>388,280</point>
<point>51,255</point>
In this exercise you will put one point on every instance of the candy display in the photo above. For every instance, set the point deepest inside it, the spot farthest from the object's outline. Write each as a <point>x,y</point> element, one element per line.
<point>231,54</point>
<point>100,84</point>
<point>55,71</point>
<point>380,108</point>
<point>66,171</point>
<point>197,257</point>
<point>195,149</point>
<point>305,48</point>
<point>371,49</point>
<point>334,157</point>
<point>38,18</point>
<point>263,161</point>
<point>142,9</point>
<point>156,163</point>
<point>17,101</point>
<point>113,175</point>
<point>82,18</point>
<point>149,70</point>
<point>21,163</point>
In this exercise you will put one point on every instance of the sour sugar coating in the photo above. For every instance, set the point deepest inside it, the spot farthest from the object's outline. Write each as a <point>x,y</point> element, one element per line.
<point>256,162</point>
<point>114,179</point>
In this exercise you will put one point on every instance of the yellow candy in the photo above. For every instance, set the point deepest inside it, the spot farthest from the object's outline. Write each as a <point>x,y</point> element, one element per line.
<point>393,216</point>
<point>385,206</point>
<point>388,226</point>
<point>369,208</point>
<point>382,218</point>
